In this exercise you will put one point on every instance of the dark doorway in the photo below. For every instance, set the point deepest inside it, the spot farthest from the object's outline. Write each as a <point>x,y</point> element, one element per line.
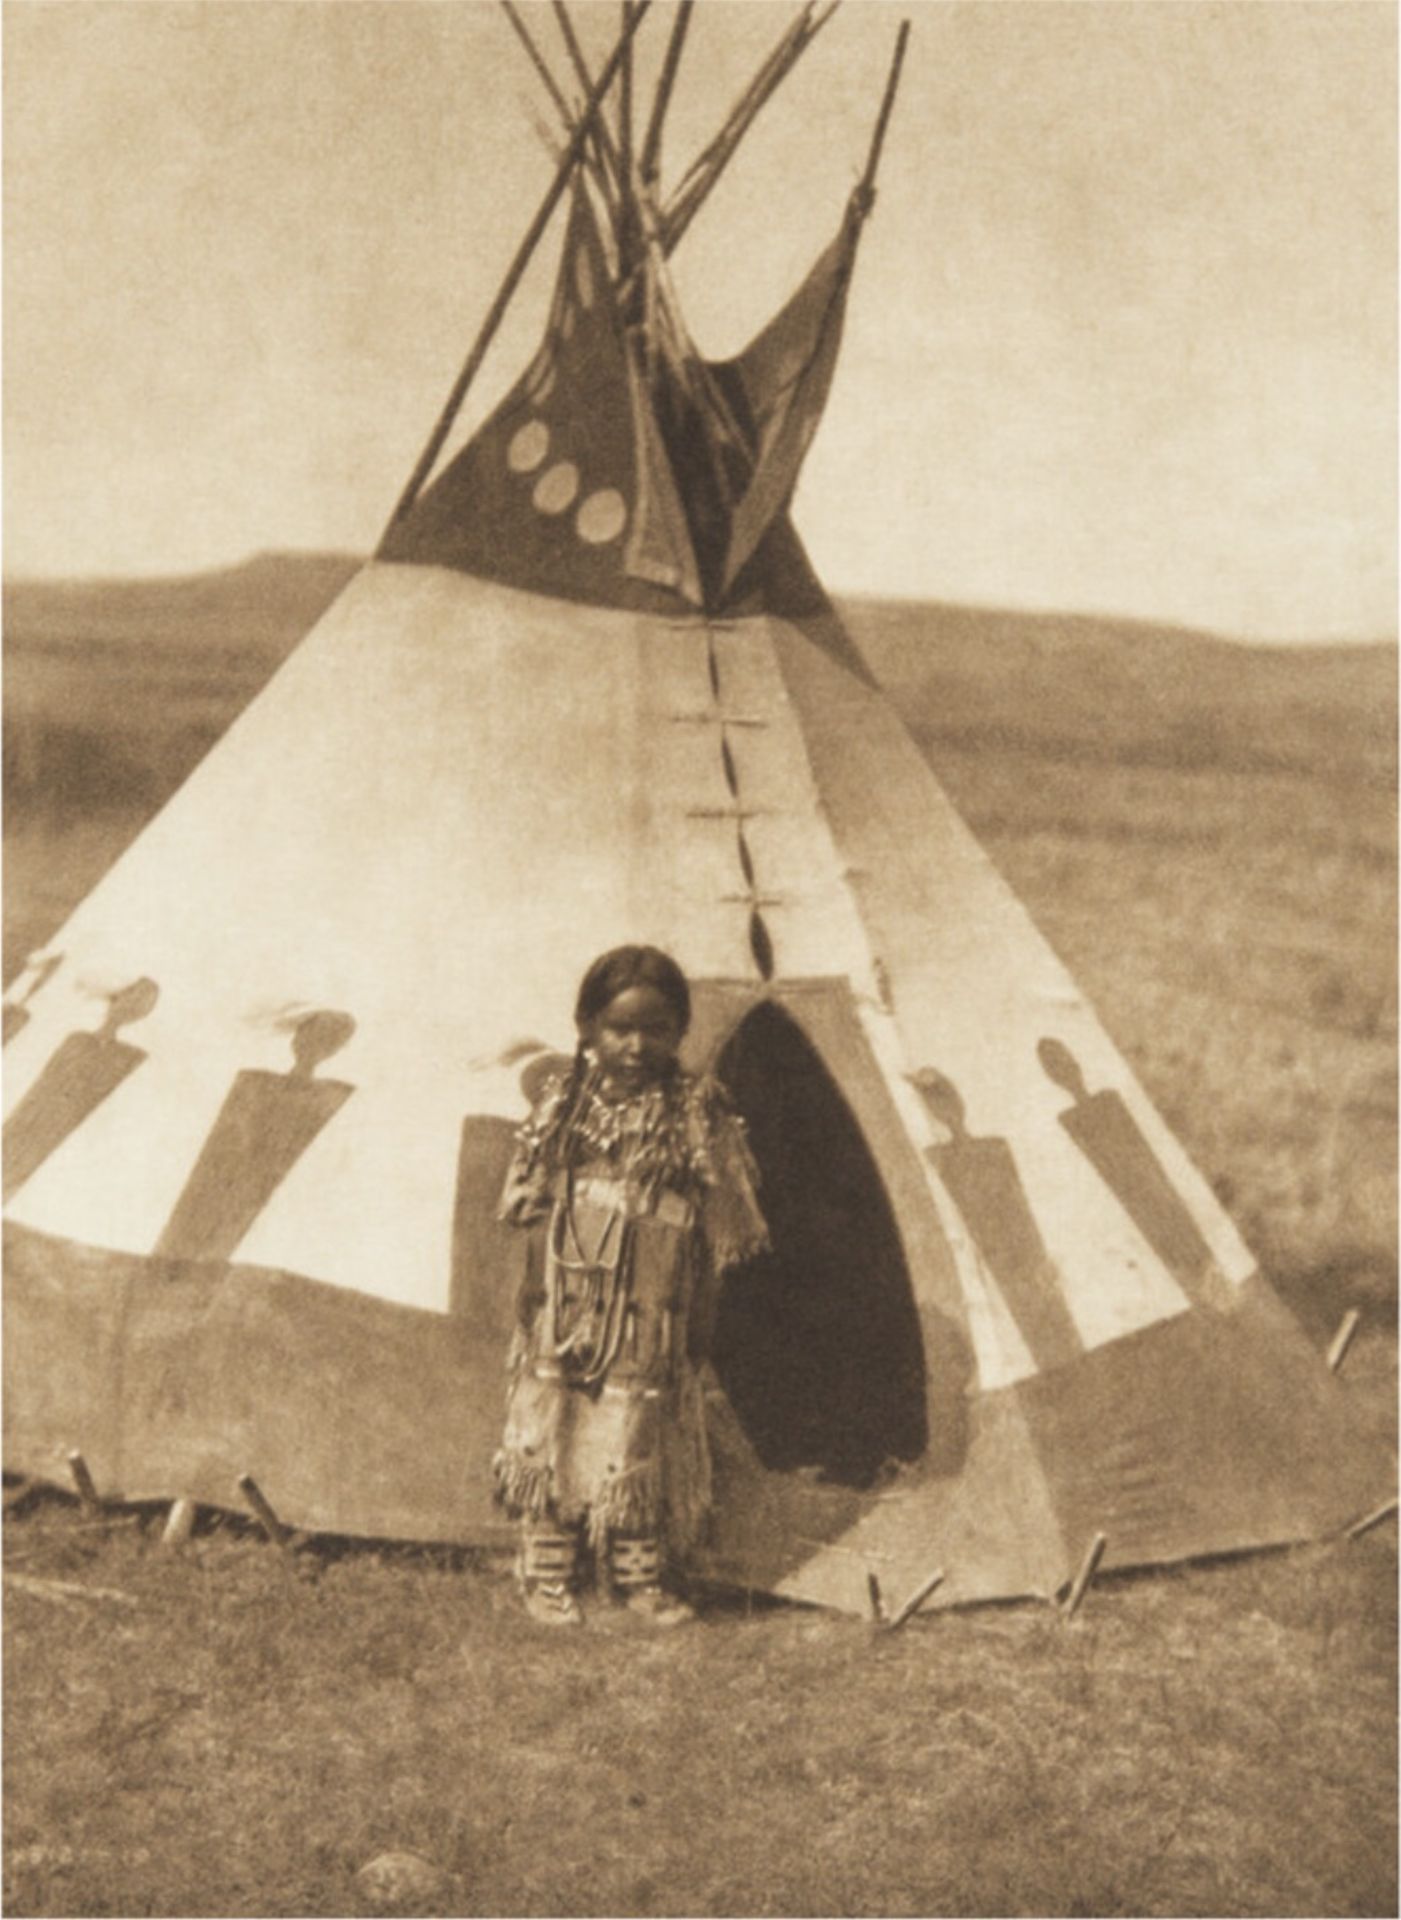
<point>817,1343</point>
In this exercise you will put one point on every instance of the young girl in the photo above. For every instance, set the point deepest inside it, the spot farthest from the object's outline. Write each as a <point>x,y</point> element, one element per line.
<point>643,1177</point>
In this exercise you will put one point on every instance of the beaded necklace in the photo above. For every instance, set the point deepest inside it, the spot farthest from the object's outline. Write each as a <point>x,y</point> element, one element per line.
<point>660,1136</point>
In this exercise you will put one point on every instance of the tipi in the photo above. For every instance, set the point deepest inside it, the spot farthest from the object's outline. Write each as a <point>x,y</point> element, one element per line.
<point>262,1086</point>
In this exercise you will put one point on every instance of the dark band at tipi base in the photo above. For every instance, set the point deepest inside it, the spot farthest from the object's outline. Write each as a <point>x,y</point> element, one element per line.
<point>263,1087</point>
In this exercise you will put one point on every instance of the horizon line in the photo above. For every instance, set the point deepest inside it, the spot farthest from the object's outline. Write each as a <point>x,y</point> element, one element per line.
<point>12,577</point>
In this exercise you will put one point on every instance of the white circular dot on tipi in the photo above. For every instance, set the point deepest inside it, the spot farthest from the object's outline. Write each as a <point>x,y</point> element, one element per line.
<point>602,517</point>
<point>529,445</point>
<point>556,488</point>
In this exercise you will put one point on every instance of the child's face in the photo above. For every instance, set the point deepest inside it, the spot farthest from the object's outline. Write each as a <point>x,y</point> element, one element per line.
<point>635,1038</point>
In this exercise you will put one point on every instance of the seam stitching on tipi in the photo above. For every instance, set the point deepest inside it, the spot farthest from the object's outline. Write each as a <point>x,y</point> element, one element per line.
<point>760,939</point>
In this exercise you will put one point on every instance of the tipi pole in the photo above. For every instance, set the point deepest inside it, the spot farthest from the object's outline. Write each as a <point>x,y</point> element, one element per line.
<point>705,170</point>
<point>609,168</point>
<point>537,60</point>
<point>650,157</point>
<point>628,222</point>
<point>598,161</point>
<point>868,178</point>
<point>625,108</point>
<point>513,276</point>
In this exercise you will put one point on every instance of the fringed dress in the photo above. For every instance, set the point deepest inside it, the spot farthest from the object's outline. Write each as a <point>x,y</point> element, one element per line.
<point>637,1203</point>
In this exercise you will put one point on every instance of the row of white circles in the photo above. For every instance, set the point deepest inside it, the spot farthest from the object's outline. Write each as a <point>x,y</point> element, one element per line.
<point>602,515</point>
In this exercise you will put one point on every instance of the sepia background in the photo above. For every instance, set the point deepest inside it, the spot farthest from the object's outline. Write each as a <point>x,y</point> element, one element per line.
<point>1122,337</point>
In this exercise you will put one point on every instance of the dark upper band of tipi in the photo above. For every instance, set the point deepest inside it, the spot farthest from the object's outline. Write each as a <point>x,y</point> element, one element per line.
<point>555,492</point>
<point>779,386</point>
<point>588,480</point>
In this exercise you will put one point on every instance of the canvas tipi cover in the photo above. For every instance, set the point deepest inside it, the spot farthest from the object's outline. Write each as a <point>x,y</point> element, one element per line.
<point>261,1088</point>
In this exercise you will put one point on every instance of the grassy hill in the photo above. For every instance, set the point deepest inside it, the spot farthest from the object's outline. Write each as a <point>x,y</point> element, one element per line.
<point>1104,690</point>
<point>135,658</point>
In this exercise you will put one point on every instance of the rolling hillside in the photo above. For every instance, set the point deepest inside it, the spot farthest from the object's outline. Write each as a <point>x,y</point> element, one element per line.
<point>130,655</point>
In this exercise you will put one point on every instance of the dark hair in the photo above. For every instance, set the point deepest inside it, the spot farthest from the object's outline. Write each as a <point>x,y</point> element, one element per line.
<point>619,969</point>
<point>611,974</point>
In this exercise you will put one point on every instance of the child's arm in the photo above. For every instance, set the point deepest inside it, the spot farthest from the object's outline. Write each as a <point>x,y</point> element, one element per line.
<point>525,1197</point>
<point>735,1228</point>
<point>526,1193</point>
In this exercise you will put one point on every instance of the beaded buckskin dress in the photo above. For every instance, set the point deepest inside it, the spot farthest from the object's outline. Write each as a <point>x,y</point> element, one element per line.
<point>637,1203</point>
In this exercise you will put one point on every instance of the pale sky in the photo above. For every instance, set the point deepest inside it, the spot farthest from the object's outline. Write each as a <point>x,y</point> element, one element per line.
<point>1122,337</point>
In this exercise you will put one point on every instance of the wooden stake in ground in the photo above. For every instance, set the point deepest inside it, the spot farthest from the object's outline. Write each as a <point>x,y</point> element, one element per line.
<point>1080,1584</point>
<point>262,1512</point>
<point>1372,1519</point>
<point>1343,1338</point>
<point>83,1481</point>
<point>180,1523</point>
<point>916,1600</point>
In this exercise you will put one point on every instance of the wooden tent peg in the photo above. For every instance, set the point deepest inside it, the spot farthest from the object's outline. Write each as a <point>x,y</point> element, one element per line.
<point>262,1512</point>
<point>915,1601</point>
<point>83,1481</point>
<point>874,1593</point>
<point>1080,1585</point>
<point>1372,1519</point>
<point>180,1523</point>
<point>1343,1338</point>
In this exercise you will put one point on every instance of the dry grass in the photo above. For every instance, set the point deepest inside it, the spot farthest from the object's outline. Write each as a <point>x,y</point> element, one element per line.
<point>1237,933</point>
<point>1215,857</point>
<point>1215,1741</point>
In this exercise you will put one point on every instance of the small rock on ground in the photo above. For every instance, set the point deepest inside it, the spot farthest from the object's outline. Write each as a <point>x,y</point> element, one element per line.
<point>393,1880</point>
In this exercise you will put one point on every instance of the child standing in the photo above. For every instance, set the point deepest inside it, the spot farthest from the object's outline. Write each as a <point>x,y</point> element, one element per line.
<point>643,1178</point>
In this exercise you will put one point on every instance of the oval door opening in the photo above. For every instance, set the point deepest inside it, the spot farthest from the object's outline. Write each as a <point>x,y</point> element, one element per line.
<point>817,1342</point>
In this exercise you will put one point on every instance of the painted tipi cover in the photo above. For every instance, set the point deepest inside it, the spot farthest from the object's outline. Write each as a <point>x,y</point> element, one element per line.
<point>261,1089</point>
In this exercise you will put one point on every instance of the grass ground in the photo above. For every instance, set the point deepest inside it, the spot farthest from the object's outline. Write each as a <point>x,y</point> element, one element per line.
<point>245,1731</point>
<point>1211,845</point>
